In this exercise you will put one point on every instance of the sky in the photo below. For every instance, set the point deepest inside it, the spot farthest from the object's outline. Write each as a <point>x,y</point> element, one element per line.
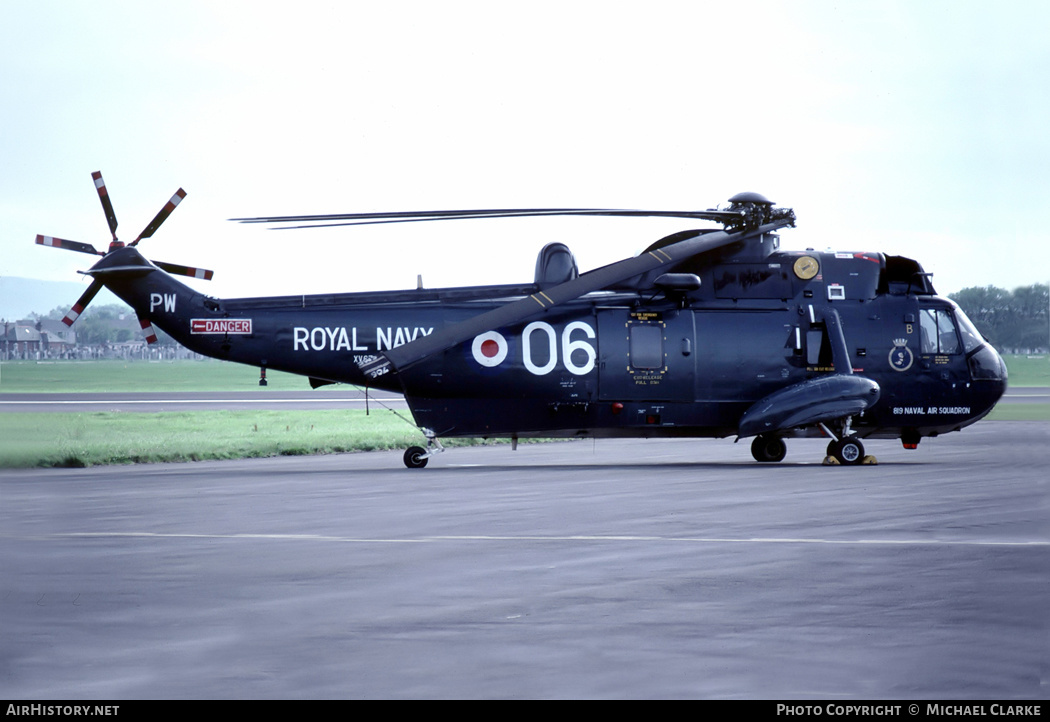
<point>911,128</point>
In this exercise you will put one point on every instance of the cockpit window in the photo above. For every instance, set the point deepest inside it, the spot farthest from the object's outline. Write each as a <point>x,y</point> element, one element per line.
<point>938,332</point>
<point>971,337</point>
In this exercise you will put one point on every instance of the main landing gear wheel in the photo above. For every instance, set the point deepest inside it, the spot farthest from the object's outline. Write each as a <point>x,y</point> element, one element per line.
<point>767,449</point>
<point>847,451</point>
<point>415,457</point>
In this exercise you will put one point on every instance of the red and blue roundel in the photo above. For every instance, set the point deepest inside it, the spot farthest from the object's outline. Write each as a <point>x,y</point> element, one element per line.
<point>489,349</point>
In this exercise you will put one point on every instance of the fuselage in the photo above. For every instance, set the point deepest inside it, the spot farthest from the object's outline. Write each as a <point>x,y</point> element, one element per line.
<point>642,359</point>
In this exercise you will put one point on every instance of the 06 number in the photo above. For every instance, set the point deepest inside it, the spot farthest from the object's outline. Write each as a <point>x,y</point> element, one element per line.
<point>569,347</point>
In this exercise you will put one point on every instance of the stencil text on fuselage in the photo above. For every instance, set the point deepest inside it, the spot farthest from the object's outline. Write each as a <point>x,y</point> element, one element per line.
<point>343,338</point>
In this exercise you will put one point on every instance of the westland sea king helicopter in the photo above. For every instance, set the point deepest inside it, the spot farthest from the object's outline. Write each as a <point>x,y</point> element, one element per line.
<point>707,333</point>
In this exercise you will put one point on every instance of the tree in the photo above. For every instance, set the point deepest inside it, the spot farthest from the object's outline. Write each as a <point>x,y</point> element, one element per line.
<point>107,324</point>
<point>1009,320</point>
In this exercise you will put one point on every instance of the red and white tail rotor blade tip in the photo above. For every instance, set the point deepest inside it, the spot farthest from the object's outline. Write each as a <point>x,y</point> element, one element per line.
<point>82,302</point>
<point>68,245</point>
<point>147,330</point>
<point>189,271</point>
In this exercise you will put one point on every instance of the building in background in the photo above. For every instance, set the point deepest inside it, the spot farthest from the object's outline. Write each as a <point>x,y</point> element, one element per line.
<point>29,339</point>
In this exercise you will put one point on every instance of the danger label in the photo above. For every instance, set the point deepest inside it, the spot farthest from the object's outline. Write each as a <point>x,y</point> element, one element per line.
<point>221,325</point>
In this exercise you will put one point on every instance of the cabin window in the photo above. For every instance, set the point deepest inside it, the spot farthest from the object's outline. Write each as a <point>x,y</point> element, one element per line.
<point>647,346</point>
<point>938,332</point>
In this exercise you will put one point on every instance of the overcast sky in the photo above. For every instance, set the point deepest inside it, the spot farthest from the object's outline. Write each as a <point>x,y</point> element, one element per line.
<point>913,128</point>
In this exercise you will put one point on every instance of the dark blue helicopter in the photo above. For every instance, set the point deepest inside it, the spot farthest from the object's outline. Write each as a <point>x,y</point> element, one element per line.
<point>707,333</point>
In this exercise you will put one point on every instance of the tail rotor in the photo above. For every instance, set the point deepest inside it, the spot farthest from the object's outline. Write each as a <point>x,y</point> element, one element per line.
<point>115,246</point>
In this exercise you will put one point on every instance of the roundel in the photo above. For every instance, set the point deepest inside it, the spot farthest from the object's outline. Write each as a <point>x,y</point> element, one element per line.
<point>490,349</point>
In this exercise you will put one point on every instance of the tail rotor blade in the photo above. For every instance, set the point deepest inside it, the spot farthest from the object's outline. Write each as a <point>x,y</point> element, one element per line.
<point>69,245</point>
<point>185,270</point>
<point>107,204</point>
<point>81,304</point>
<point>161,217</point>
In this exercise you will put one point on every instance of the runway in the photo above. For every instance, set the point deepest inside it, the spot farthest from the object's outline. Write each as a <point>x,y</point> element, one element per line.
<point>608,569</point>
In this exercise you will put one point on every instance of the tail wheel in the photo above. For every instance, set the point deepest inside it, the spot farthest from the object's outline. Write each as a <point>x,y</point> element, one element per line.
<point>768,449</point>
<point>848,451</point>
<point>416,457</point>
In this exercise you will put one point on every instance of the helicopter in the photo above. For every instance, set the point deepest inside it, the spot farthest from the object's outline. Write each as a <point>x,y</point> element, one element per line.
<point>708,332</point>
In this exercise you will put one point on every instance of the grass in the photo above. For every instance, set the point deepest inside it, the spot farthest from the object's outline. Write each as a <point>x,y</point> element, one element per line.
<point>1028,370</point>
<point>91,439</point>
<point>1020,412</point>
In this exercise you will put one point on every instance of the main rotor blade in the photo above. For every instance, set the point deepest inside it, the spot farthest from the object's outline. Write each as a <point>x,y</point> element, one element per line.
<point>363,219</point>
<point>537,303</point>
<point>70,245</point>
<point>401,214</point>
<point>82,302</point>
<point>180,270</point>
<point>107,204</point>
<point>161,216</point>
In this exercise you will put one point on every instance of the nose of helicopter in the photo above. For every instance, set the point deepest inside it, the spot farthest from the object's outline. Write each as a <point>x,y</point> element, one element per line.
<point>989,376</point>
